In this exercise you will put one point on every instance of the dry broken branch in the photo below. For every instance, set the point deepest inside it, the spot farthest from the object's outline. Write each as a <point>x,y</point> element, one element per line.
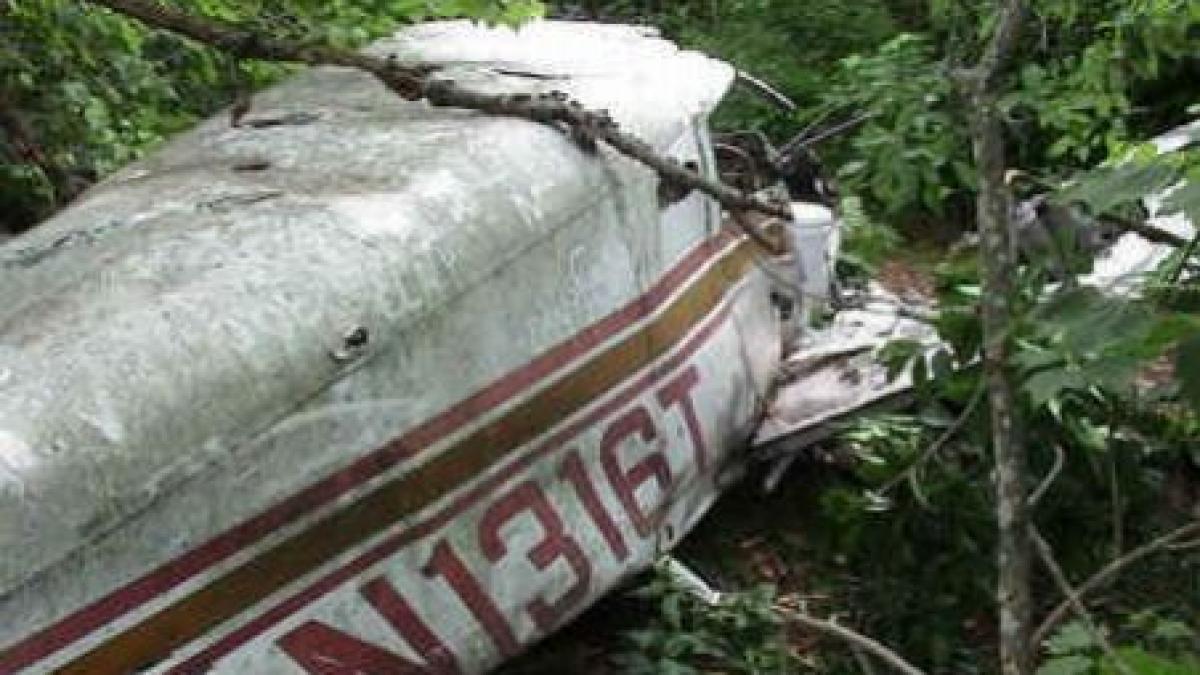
<point>1098,579</point>
<point>415,81</point>
<point>1074,601</point>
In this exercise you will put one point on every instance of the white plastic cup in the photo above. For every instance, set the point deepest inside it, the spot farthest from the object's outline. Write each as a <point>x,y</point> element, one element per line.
<point>815,239</point>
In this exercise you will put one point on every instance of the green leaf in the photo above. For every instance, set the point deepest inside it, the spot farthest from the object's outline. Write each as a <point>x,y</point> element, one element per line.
<point>642,638</point>
<point>1072,638</point>
<point>671,609</point>
<point>1143,662</point>
<point>1031,357</point>
<point>1066,665</point>
<point>1185,198</point>
<point>1105,188</point>
<point>1172,631</point>
<point>1045,385</point>
<point>899,356</point>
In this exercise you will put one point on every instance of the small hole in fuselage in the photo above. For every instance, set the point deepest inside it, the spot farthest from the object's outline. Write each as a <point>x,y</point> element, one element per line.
<point>357,338</point>
<point>252,165</point>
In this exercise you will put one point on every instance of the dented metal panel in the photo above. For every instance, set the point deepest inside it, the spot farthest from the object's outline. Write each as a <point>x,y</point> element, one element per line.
<point>372,381</point>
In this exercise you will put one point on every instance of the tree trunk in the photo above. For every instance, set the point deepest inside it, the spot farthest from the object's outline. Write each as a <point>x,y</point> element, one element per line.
<point>997,264</point>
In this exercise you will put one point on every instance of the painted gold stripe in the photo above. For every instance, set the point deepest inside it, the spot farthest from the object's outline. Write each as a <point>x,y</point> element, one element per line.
<point>174,626</point>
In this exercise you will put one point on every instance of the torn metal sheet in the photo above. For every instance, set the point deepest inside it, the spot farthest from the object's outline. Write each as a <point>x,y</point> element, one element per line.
<point>372,384</point>
<point>833,374</point>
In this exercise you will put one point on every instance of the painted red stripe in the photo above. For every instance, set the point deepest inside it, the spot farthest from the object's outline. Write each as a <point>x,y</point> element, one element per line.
<point>204,660</point>
<point>162,579</point>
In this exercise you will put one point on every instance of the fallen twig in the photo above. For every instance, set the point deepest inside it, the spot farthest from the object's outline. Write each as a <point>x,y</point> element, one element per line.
<point>414,81</point>
<point>695,585</point>
<point>1098,579</point>
<point>854,638</point>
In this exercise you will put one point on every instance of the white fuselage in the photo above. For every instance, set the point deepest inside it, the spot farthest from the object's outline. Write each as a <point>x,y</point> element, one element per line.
<point>407,398</point>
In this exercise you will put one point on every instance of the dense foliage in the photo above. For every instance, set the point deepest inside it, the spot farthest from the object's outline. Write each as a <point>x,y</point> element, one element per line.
<point>1095,75</point>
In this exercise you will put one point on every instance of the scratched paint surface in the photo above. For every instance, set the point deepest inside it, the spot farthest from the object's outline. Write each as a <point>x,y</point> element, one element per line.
<point>603,496</point>
<point>386,379</point>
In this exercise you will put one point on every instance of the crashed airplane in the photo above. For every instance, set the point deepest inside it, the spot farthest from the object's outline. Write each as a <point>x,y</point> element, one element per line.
<point>364,386</point>
<point>361,385</point>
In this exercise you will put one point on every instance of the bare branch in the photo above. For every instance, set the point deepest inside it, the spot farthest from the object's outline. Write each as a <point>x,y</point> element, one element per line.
<point>415,81</point>
<point>1060,460</point>
<point>1117,515</point>
<point>408,80</point>
<point>826,134</point>
<point>1098,579</point>
<point>864,662</point>
<point>854,638</point>
<point>1147,232</point>
<point>1073,600</point>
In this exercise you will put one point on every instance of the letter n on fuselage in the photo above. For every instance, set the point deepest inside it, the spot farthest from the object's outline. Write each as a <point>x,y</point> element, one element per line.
<point>322,650</point>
